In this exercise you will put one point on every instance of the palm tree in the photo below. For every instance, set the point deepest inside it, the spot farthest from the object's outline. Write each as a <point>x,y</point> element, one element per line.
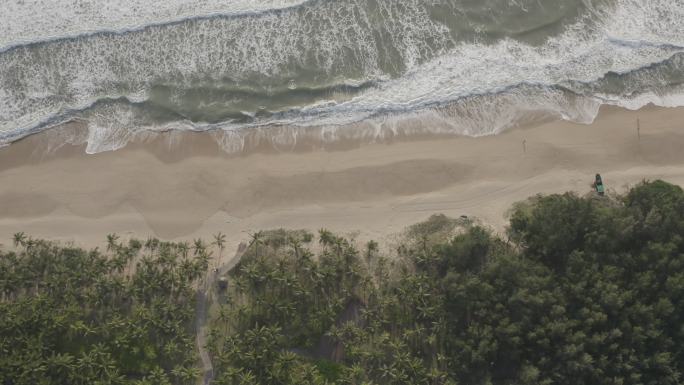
<point>111,241</point>
<point>371,250</point>
<point>220,242</point>
<point>186,375</point>
<point>158,376</point>
<point>151,244</point>
<point>224,317</point>
<point>61,366</point>
<point>199,246</point>
<point>19,239</point>
<point>326,237</point>
<point>118,263</point>
<point>183,247</point>
<point>76,298</point>
<point>296,245</point>
<point>248,378</point>
<point>256,241</point>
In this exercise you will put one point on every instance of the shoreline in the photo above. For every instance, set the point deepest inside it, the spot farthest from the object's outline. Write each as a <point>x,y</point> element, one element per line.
<point>184,186</point>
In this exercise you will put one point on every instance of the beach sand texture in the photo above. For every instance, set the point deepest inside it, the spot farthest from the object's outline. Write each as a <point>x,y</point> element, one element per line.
<point>195,190</point>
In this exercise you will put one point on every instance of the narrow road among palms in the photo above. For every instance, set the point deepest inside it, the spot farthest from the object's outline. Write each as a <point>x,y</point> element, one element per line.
<point>201,328</point>
<point>203,293</point>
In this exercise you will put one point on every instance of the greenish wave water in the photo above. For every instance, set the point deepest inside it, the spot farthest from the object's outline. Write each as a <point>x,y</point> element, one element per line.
<point>477,66</point>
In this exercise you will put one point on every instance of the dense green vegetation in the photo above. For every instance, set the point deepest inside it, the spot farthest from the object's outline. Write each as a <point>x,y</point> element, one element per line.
<point>124,316</point>
<point>582,290</point>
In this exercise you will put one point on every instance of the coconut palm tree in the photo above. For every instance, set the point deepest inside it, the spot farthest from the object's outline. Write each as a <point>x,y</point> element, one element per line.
<point>296,246</point>
<point>111,241</point>
<point>256,241</point>
<point>199,246</point>
<point>61,366</point>
<point>371,250</point>
<point>220,243</point>
<point>19,239</point>
<point>326,237</point>
<point>224,318</point>
<point>184,248</point>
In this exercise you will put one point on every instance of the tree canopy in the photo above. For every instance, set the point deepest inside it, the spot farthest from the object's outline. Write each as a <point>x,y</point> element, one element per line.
<point>584,290</point>
<point>581,290</point>
<point>71,316</point>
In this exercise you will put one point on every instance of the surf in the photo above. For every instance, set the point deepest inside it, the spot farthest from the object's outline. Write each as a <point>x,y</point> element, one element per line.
<point>339,64</point>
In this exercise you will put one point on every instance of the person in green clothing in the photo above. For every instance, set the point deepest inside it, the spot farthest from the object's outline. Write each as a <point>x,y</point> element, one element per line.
<point>598,185</point>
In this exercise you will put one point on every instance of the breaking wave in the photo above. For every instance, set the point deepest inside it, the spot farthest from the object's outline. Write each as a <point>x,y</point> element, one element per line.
<point>341,69</point>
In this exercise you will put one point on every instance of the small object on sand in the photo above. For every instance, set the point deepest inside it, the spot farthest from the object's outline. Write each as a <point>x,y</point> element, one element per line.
<point>222,283</point>
<point>598,185</point>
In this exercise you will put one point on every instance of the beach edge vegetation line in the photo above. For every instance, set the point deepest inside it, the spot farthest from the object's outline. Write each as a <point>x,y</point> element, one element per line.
<point>583,290</point>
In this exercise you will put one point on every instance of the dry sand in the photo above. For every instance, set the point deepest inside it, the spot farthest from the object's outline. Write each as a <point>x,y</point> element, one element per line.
<point>375,189</point>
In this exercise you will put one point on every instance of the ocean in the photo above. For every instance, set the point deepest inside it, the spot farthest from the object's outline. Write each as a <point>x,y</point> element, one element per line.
<point>334,68</point>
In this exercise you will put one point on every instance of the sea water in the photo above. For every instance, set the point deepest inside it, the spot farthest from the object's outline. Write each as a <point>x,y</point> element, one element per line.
<point>339,68</point>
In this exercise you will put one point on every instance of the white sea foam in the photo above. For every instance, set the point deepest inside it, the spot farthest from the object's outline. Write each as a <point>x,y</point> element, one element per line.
<point>577,55</point>
<point>474,116</point>
<point>463,88</point>
<point>72,75</point>
<point>24,21</point>
<point>674,97</point>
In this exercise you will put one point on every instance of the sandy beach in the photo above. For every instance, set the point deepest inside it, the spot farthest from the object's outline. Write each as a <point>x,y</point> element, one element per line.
<point>374,190</point>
